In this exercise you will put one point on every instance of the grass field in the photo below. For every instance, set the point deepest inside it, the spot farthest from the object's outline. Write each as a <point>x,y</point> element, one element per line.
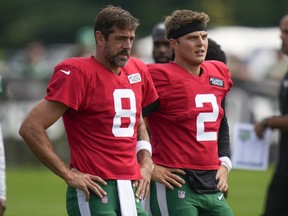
<point>38,192</point>
<point>34,192</point>
<point>247,191</point>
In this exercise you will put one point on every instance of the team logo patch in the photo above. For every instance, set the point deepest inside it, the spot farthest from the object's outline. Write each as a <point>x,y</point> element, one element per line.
<point>134,78</point>
<point>104,199</point>
<point>216,82</point>
<point>181,194</point>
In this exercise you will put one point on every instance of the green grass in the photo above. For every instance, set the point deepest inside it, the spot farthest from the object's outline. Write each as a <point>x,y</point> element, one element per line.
<point>38,192</point>
<point>34,192</point>
<point>247,191</point>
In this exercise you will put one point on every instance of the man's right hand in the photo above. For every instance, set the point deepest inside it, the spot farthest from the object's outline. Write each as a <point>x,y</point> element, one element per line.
<point>86,182</point>
<point>259,130</point>
<point>167,177</point>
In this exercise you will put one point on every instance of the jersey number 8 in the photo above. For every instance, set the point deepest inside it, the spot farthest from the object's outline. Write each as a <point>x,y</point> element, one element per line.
<point>117,130</point>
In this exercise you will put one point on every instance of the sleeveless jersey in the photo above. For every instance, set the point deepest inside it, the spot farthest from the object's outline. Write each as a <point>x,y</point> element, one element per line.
<point>101,124</point>
<point>184,128</point>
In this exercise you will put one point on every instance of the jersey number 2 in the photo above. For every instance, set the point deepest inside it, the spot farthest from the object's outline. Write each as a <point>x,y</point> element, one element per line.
<point>206,117</point>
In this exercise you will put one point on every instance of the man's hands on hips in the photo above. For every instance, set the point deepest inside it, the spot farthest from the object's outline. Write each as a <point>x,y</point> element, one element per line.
<point>168,176</point>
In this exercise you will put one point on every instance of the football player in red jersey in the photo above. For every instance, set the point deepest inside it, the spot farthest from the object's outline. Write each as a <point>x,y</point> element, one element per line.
<point>100,99</point>
<point>187,124</point>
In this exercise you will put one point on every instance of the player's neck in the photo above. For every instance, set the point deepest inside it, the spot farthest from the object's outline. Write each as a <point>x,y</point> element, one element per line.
<point>192,69</point>
<point>107,64</point>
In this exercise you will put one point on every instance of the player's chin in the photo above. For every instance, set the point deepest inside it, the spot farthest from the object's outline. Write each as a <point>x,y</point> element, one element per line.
<point>121,61</point>
<point>201,58</point>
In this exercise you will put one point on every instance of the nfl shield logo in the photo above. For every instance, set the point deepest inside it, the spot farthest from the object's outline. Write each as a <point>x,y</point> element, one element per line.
<point>181,194</point>
<point>105,199</point>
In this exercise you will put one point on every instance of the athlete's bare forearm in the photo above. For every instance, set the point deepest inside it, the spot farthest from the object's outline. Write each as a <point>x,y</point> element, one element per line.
<point>33,131</point>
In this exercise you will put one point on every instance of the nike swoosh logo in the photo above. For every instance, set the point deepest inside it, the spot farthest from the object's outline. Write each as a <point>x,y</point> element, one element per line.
<point>220,197</point>
<point>65,72</point>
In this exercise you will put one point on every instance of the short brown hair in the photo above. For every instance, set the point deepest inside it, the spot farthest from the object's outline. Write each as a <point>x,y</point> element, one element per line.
<point>111,16</point>
<point>180,18</point>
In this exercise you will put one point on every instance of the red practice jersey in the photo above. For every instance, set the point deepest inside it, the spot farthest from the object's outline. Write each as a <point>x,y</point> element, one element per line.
<point>184,128</point>
<point>104,113</point>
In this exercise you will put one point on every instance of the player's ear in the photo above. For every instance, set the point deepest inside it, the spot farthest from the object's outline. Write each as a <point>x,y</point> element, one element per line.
<point>173,43</point>
<point>99,37</point>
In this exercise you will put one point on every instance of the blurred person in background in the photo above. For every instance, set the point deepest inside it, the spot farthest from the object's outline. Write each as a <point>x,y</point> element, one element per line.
<point>161,50</point>
<point>276,199</point>
<point>100,99</point>
<point>214,52</point>
<point>187,123</point>
<point>2,167</point>
<point>2,175</point>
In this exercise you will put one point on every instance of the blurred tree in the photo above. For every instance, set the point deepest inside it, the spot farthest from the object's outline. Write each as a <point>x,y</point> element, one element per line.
<point>259,13</point>
<point>55,21</point>
<point>52,21</point>
<point>219,11</point>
